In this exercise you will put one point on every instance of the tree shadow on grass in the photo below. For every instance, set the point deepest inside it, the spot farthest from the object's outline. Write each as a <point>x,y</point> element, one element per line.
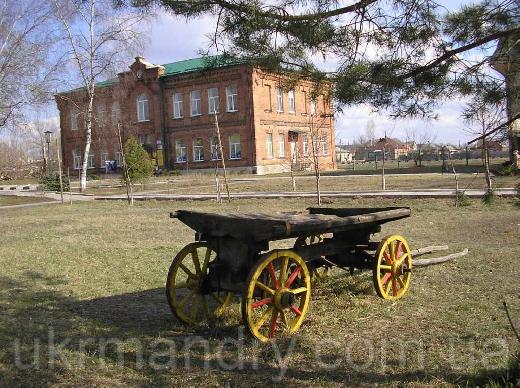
<point>136,335</point>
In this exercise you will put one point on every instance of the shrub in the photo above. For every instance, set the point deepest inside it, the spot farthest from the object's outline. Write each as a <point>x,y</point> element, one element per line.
<point>138,161</point>
<point>506,169</point>
<point>489,197</point>
<point>92,177</point>
<point>461,198</point>
<point>51,182</point>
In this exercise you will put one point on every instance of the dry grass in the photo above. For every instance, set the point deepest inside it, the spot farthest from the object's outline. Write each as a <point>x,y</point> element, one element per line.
<point>7,200</point>
<point>96,271</point>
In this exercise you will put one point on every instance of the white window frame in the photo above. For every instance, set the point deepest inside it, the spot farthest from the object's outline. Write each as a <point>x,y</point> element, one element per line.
<point>305,145</point>
<point>76,159</point>
<point>116,112</point>
<point>279,100</point>
<point>119,158</point>
<point>143,108</point>
<point>104,157</point>
<point>215,149</point>
<point>281,145</point>
<point>235,151</point>
<point>324,145</point>
<point>181,154</point>
<point>232,98</point>
<point>74,120</point>
<point>312,107</point>
<point>91,161</point>
<point>213,101</point>
<point>195,103</point>
<point>292,102</point>
<point>178,106</point>
<point>198,150</point>
<point>269,145</point>
<point>101,115</point>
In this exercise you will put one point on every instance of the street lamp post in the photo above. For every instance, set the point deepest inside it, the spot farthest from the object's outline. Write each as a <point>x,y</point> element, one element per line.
<point>48,135</point>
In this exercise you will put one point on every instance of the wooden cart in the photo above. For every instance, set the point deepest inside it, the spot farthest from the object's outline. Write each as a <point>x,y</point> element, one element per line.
<point>231,256</point>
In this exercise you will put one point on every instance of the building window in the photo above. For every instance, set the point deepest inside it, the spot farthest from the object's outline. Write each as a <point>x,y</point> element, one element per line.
<point>76,159</point>
<point>305,145</point>
<point>304,102</point>
<point>119,157</point>
<point>195,103</point>
<point>234,147</point>
<point>101,115</point>
<point>292,107</point>
<point>91,163</point>
<point>281,145</point>
<point>177,106</point>
<point>315,149</point>
<point>116,112</point>
<point>324,144</point>
<point>269,144</point>
<point>215,149</point>
<point>143,111</point>
<point>104,158</point>
<point>213,101</point>
<point>313,107</point>
<point>180,151</point>
<point>232,98</point>
<point>198,150</point>
<point>279,99</point>
<point>74,121</point>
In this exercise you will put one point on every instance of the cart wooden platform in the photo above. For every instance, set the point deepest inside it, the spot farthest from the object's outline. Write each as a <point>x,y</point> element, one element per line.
<point>231,256</point>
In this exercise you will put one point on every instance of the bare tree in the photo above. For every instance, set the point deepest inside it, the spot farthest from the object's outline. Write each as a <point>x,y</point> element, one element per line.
<point>99,35</point>
<point>26,68</point>
<point>482,118</point>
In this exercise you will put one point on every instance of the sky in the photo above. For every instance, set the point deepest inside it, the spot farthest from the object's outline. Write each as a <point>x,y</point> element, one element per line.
<point>175,39</point>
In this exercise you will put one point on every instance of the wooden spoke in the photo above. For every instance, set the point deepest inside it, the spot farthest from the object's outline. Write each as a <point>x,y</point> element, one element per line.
<point>261,303</point>
<point>389,280</point>
<point>272,326</point>
<point>284,319</point>
<point>190,305</point>
<point>298,290</point>
<point>187,271</point>
<point>262,286</point>
<point>265,315</point>
<point>283,271</point>
<point>206,260</point>
<point>196,261</point>
<point>296,310</point>
<point>293,276</point>
<point>274,305</point>
<point>273,275</point>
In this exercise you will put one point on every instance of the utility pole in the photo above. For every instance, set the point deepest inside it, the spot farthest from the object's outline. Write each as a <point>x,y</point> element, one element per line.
<point>383,178</point>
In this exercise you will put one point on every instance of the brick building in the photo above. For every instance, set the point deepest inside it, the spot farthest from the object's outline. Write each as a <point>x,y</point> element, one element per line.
<point>170,108</point>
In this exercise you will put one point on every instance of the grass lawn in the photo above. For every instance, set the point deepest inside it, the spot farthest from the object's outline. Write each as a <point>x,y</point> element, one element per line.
<point>6,200</point>
<point>83,284</point>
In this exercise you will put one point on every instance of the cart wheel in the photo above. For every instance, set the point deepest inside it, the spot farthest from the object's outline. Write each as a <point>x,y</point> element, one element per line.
<point>318,274</point>
<point>392,269</point>
<point>277,295</point>
<point>183,286</point>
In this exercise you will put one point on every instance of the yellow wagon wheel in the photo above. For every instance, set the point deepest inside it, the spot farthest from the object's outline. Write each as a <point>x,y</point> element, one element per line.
<point>318,274</point>
<point>186,277</point>
<point>392,269</point>
<point>277,295</point>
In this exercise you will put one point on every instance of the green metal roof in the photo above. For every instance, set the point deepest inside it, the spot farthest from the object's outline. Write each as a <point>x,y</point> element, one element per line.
<point>197,64</point>
<point>180,67</point>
